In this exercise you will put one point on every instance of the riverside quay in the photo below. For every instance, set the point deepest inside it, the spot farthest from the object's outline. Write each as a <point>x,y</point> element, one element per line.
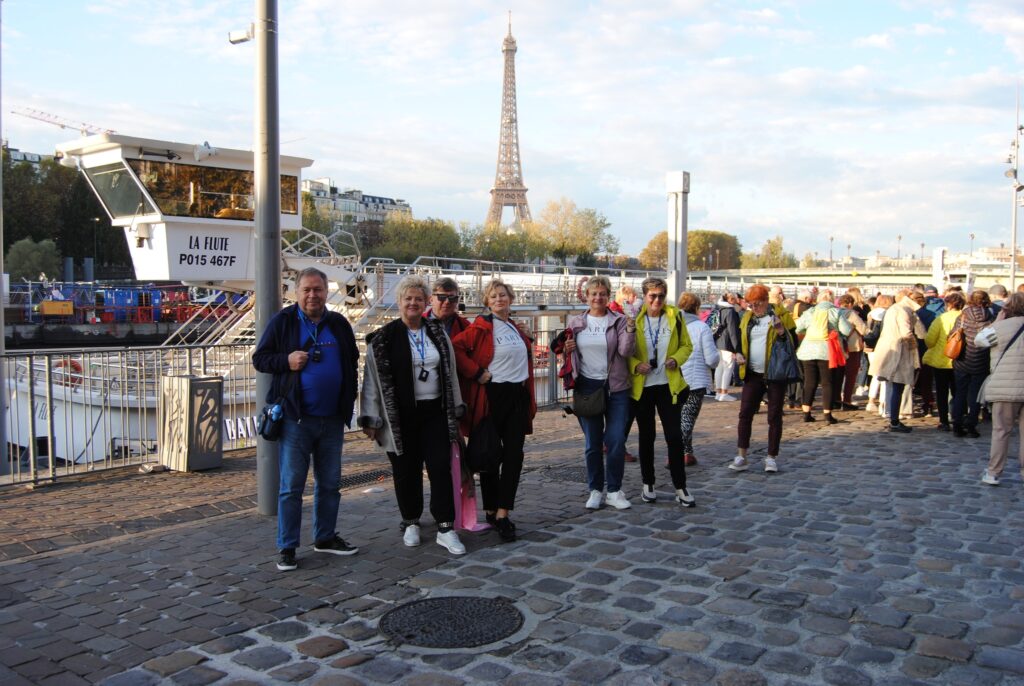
<point>868,558</point>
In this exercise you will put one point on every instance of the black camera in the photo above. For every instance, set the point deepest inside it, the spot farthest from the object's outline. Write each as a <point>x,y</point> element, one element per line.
<point>315,354</point>
<point>654,362</point>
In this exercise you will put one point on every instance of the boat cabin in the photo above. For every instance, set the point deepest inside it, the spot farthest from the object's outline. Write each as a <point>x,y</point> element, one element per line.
<point>187,211</point>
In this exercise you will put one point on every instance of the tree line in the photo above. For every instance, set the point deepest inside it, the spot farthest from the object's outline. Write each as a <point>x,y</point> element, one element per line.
<point>51,213</point>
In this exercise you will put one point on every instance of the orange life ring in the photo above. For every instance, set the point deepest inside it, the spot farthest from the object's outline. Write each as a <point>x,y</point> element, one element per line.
<point>74,378</point>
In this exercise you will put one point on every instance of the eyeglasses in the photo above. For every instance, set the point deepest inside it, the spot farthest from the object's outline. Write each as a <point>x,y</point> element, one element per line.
<point>656,296</point>
<point>444,297</point>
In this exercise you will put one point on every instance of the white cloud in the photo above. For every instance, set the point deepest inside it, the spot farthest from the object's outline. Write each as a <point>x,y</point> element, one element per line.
<point>1002,18</point>
<point>875,40</point>
<point>927,30</point>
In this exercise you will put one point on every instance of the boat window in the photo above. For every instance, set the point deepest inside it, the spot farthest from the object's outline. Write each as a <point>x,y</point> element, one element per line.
<point>118,191</point>
<point>190,190</point>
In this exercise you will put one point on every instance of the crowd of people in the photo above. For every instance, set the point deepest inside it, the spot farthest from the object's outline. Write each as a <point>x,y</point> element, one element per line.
<point>456,397</point>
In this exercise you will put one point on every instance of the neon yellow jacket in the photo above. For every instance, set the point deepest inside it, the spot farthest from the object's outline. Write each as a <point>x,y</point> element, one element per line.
<point>679,348</point>
<point>745,322</point>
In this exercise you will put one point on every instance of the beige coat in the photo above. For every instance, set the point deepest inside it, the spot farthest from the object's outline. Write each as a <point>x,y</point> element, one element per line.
<point>895,358</point>
<point>1004,383</point>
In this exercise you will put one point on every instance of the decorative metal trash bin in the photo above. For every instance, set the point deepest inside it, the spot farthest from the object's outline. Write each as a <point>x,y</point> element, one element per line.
<point>190,414</point>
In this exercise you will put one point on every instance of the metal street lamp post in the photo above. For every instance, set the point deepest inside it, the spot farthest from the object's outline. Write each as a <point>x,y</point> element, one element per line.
<point>1011,174</point>
<point>899,241</point>
<point>830,239</point>
<point>718,258</point>
<point>848,258</point>
<point>922,252</point>
<point>971,236</point>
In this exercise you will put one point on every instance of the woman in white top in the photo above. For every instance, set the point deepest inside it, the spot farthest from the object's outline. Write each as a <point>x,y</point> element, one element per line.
<point>599,344</point>
<point>494,356</point>
<point>696,370</point>
<point>410,404</point>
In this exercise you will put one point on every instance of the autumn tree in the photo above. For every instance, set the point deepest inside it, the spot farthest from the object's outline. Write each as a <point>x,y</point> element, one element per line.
<point>772,255</point>
<point>405,239</point>
<point>722,250</point>
<point>27,259</point>
<point>574,233</point>
<point>655,253</point>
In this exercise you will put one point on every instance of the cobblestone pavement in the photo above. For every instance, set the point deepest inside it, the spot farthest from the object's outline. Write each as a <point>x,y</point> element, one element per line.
<point>869,558</point>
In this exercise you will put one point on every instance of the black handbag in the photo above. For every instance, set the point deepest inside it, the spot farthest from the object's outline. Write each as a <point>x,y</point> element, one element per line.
<point>782,363</point>
<point>588,404</point>
<point>483,452</point>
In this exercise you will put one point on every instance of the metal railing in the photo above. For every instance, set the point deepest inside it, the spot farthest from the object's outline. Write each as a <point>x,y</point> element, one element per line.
<point>76,412</point>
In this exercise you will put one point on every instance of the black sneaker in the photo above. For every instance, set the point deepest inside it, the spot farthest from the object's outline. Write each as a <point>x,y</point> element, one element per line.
<point>808,417</point>
<point>506,529</point>
<point>830,418</point>
<point>335,546</point>
<point>900,428</point>
<point>973,432</point>
<point>286,560</point>
<point>943,426</point>
<point>492,518</point>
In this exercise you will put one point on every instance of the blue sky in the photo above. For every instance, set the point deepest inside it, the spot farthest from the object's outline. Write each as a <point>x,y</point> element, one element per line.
<point>861,121</point>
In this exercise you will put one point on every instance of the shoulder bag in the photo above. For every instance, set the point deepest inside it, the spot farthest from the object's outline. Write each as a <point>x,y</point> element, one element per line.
<point>271,419</point>
<point>954,341</point>
<point>783,366</point>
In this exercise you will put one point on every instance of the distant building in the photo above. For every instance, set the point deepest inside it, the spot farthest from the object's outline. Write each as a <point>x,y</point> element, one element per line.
<point>355,211</point>
<point>32,158</point>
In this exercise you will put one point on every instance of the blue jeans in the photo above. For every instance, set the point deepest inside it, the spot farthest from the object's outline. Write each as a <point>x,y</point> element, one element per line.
<point>892,403</point>
<point>608,429</point>
<point>322,439</point>
<point>965,399</point>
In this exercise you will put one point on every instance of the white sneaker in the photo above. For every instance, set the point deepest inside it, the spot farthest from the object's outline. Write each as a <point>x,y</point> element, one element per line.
<point>450,540</point>
<point>726,398</point>
<point>684,498</point>
<point>739,464</point>
<point>595,500</point>
<point>648,495</point>
<point>618,500</point>
<point>411,537</point>
<point>987,478</point>
<point>769,465</point>
<point>872,406</point>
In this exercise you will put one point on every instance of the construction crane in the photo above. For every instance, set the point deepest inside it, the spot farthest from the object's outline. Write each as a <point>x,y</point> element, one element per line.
<point>81,127</point>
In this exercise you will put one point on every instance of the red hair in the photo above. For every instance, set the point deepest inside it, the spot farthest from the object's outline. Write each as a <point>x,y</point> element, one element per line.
<point>757,292</point>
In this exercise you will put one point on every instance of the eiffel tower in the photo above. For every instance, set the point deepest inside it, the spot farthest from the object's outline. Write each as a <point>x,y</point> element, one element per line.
<point>509,190</point>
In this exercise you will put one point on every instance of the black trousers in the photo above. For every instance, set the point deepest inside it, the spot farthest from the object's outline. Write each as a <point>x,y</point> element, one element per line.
<point>815,372</point>
<point>425,441</point>
<point>945,386</point>
<point>509,405</point>
<point>755,387</point>
<point>659,398</point>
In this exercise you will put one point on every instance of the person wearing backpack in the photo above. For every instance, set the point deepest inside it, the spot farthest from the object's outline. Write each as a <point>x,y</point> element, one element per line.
<point>725,327</point>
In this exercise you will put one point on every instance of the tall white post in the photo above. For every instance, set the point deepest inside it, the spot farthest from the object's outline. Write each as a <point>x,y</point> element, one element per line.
<point>677,185</point>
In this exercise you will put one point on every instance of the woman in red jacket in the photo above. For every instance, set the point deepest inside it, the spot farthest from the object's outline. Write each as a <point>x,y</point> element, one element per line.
<point>495,361</point>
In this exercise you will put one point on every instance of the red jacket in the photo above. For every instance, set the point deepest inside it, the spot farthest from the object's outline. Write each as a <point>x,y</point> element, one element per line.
<point>474,350</point>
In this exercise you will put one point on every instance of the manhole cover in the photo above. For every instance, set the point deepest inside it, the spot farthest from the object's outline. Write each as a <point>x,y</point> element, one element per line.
<point>452,622</point>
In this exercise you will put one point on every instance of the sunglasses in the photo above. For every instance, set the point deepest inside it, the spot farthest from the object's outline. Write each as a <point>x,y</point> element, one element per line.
<point>656,296</point>
<point>444,297</point>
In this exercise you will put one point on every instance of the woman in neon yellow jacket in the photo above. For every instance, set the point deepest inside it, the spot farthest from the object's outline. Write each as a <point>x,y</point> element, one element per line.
<point>935,357</point>
<point>759,327</point>
<point>662,346</point>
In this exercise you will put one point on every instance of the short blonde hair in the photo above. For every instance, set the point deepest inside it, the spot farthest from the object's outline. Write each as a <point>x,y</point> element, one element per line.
<point>827,295</point>
<point>413,281</point>
<point>495,284</point>
<point>599,282</point>
<point>623,294</point>
<point>689,302</point>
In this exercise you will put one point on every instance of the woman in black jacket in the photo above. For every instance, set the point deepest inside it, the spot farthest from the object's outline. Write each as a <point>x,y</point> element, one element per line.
<point>971,368</point>
<point>726,332</point>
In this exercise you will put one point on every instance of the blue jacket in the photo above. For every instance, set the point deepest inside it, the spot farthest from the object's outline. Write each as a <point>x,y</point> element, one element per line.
<point>281,338</point>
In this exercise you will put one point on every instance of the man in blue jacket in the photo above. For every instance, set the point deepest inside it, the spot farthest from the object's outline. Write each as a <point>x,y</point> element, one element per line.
<point>312,354</point>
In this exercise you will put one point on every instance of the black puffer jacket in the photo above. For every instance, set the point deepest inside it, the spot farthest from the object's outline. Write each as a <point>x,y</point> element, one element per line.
<point>973,360</point>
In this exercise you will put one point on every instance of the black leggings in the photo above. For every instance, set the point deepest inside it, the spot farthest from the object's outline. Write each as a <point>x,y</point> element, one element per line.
<point>509,406</point>
<point>817,371</point>
<point>425,439</point>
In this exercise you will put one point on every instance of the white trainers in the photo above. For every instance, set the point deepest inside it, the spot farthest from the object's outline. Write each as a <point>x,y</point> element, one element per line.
<point>684,498</point>
<point>648,495</point>
<point>872,406</point>
<point>769,465</point>
<point>617,499</point>
<point>726,398</point>
<point>987,478</point>
<point>450,540</point>
<point>411,537</point>
<point>739,464</point>
<point>595,500</point>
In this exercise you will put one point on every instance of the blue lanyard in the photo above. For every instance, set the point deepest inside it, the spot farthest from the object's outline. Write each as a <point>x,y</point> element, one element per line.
<point>311,328</point>
<point>655,333</point>
<point>421,346</point>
